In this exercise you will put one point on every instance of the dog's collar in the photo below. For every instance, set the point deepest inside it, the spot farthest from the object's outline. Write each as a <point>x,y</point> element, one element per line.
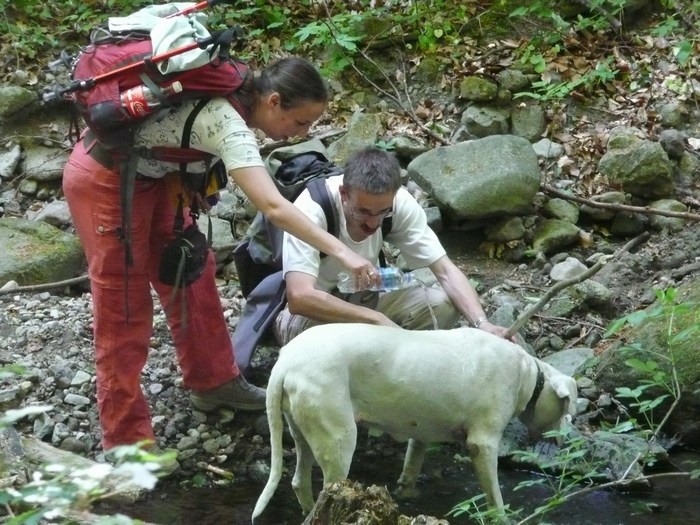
<point>539,384</point>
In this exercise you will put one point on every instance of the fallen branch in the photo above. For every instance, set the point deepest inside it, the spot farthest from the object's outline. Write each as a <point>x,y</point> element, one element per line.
<point>621,207</point>
<point>554,290</point>
<point>226,474</point>
<point>46,286</point>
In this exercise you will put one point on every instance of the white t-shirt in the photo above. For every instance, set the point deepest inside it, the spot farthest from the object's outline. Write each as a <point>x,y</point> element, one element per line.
<point>218,129</point>
<point>410,233</point>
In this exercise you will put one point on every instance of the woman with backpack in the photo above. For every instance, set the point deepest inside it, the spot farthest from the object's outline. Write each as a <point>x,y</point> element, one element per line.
<point>283,100</point>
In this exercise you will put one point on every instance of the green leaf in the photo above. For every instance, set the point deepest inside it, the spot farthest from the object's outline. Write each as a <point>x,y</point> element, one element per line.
<point>623,391</point>
<point>12,415</point>
<point>685,334</point>
<point>648,367</point>
<point>683,52</point>
<point>307,32</point>
<point>520,11</point>
<point>30,517</point>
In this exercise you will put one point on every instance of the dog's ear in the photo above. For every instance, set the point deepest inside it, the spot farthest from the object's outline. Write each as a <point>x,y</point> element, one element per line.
<point>565,388</point>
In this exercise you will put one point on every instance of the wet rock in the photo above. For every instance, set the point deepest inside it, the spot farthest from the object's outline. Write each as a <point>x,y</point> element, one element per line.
<point>642,168</point>
<point>528,122</point>
<point>547,149</point>
<point>477,89</point>
<point>552,235</point>
<point>13,99</point>
<point>626,224</point>
<point>569,268</point>
<point>9,160</point>
<point>673,143</point>
<point>671,224</point>
<point>561,209</point>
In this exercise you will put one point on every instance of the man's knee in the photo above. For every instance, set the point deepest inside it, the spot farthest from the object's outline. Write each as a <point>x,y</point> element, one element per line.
<point>438,312</point>
<point>287,326</point>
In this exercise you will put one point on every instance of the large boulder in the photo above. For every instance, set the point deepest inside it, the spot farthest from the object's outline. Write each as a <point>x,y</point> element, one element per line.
<point>488,177</point>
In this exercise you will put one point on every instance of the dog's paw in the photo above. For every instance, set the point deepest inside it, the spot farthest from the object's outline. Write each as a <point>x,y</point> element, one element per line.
<point>403,493</point>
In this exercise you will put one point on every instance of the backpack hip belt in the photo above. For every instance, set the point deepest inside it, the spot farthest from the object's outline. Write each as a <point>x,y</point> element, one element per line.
<point>97,152</point>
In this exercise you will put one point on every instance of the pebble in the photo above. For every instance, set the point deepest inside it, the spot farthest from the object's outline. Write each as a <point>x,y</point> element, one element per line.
<point>51,336</point>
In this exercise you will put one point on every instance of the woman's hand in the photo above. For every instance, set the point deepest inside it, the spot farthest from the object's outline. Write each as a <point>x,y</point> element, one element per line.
<point>363,272</point>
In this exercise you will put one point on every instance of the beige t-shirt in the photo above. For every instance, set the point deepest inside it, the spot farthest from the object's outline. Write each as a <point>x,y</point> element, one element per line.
<point>218,129</point>
<point>410,233</point>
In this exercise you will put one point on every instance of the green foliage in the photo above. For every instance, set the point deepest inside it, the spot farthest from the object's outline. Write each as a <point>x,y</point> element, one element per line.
<point>336,36</point>
<point>577,471</point>
<point>659,383</point>
<point>37,29</point>
<point>477,510</point>
<point>437,22</point>
<point>389,145</point>
<point>56,490</point>
<point>573,465</point>
<point>546,90</point>
<point>683,52</point>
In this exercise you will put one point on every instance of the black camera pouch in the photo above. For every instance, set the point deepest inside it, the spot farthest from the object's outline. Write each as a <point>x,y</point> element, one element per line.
<point>184,258</point>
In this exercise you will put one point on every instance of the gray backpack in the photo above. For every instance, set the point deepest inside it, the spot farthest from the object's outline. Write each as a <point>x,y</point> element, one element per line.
<point>293,169</point>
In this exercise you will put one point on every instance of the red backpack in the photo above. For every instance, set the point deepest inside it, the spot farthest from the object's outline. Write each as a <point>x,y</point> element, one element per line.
<point>115,62</point>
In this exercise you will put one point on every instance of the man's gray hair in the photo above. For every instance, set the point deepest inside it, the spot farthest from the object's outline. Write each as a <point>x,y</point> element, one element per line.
<point>372,170</point>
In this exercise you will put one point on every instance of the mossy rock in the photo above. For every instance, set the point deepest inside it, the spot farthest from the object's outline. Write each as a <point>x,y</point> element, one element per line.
<point>37,252</point>
<point>650,341</point>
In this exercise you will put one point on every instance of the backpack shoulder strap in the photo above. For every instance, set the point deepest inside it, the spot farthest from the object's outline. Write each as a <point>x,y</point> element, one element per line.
<point>184,144</point>
<point>321,196</point>
<point>187,128</point>
<point>387,225</point>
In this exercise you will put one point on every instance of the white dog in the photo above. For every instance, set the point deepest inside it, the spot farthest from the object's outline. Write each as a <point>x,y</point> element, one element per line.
<point>426,386</point>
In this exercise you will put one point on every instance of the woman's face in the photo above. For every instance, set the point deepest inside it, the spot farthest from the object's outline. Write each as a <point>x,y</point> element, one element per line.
<point>281,124</point>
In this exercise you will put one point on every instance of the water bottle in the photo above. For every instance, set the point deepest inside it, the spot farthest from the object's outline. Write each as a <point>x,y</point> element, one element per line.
<point>392,279</point>
<point>139,101</point>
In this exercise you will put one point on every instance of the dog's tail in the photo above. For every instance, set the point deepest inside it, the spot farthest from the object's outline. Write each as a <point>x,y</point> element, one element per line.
<point>275,392</point>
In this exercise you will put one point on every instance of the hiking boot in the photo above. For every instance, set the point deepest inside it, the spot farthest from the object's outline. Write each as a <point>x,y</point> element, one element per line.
<point>237,394</point>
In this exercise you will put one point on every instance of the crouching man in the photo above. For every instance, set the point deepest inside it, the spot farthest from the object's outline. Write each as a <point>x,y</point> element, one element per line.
<point>368,200</point>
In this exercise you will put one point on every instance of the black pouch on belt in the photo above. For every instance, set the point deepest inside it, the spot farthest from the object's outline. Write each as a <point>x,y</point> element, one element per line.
<point>184,258</point>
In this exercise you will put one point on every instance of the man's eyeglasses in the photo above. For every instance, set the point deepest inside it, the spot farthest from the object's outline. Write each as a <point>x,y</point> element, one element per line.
<point>361,215</point>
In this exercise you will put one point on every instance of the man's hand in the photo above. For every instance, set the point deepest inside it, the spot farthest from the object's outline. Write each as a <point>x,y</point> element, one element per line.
<point>495,329</point>
<point>383,320</point>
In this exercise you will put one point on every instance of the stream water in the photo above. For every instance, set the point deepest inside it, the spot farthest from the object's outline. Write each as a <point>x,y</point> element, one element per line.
<point>446,482</point>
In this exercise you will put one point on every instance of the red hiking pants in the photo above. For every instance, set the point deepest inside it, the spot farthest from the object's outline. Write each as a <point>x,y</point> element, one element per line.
<point>202,344</point>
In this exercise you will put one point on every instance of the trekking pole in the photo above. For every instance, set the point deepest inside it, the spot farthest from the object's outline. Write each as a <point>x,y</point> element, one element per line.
<point>198,7</point>
<point>219,38</point>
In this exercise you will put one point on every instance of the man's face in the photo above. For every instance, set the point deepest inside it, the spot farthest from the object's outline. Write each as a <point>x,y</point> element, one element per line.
<point>364,212</point>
